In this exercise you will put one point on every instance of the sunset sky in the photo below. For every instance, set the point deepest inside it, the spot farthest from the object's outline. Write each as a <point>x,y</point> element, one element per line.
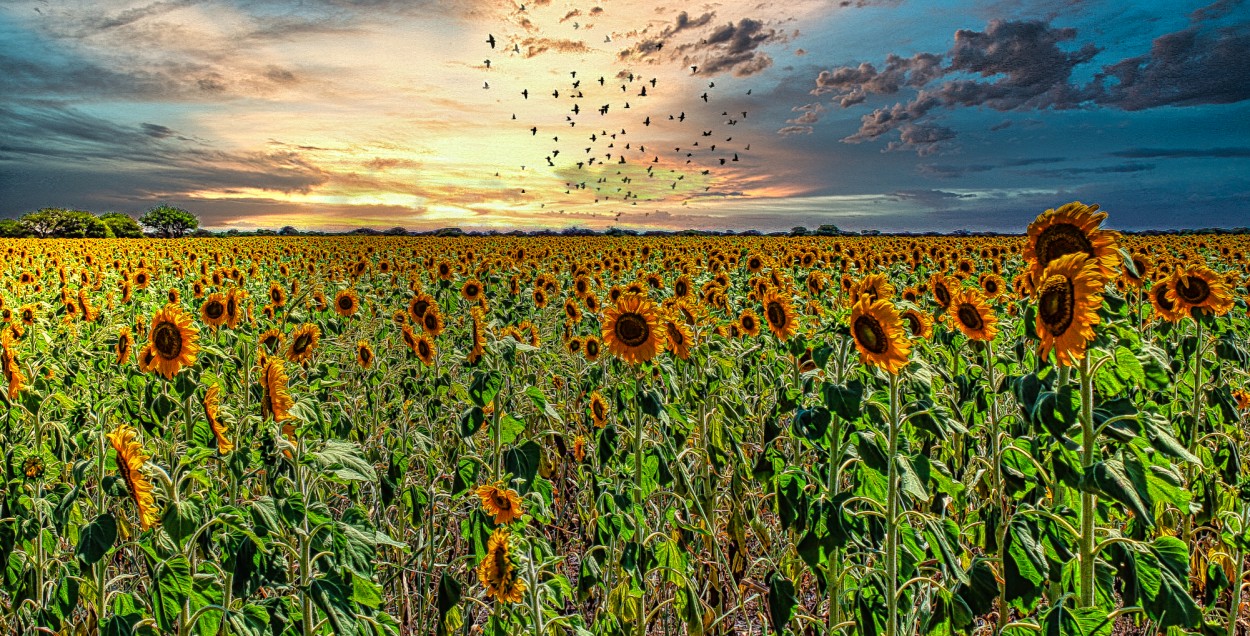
<point>894,115</point>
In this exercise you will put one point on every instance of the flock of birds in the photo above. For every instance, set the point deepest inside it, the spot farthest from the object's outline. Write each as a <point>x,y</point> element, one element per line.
<point>606,162</point>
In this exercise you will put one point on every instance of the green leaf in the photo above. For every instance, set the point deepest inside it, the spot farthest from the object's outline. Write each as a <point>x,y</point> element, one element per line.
<point>172,589</point>
<point>540,402</point>
<point>343,460</point>
<point>1110,479</point>
<point>485,387</point>
<point>811,424</point>
<point>96,539</point>
<point>844,400</point>
<point>781,601</point>
<point>1063,620</point>
<point>522,461</point>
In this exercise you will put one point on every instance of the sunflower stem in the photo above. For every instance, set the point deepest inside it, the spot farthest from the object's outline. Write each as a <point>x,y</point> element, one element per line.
<point>998,492</point>
<point>639,499</point>
<point>1196,417</point>
<point>892,505</point>
<point>1088,499</point>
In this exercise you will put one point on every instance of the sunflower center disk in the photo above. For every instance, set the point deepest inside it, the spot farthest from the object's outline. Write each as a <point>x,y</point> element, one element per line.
<point>632,329</point>
<point>1193,290</point>
<point>1160,292</point>
<point>776,315</point>
<point>167,340</point>
<point>870,335</point>
<point>970,316</point>
<point>913,324</point>
<point>345,303</point>
<point>302,342</point>
<point>214,310</point>
<point>1056,306</point>
<point>1061,240</point>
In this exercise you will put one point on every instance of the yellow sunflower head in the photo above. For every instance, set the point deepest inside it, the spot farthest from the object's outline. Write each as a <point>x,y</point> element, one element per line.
<point>1072,228</point>
<point>497,571</point>
<point>130,461</point>
<point>879,334</point>
<point>1198,289</point>
<point>276,399</point>
<point>632,329</point>
<point>173,340</point>
<point>346,302</point>
<point>1160,299</point>
<point>212,411</point>
<point>303,340</point>
<point>919,324</point>
<point>598,409</point>
<point>1068,298</point>
<point>364,354</point>
<point>973,316</point>
<point>213,310</point>
<point>503,503</point>
<point>779,313</point>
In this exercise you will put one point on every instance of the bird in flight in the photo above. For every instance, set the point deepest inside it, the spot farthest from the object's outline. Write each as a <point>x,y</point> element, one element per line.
<point>491,40</point>
<point>525,93</point>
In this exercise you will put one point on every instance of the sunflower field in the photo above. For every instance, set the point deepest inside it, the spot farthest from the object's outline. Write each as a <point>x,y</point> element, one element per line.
<point>1034,434</point>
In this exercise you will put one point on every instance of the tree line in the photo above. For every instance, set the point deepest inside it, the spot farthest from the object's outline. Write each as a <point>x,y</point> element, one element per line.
<point>162,220</point>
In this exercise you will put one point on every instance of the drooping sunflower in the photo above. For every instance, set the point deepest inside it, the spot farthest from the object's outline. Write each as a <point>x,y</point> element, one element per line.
<point>477,336</point>
<point>276,399</point>
<point>364,354</point>
<point>875,286</point>
<point>212,411</point>
<point>303,340</point>
<point>8,364</point>
<point>89,313</point>
<point>346,302</point>
<point>504,503</point>
<point>879,334</point>
<point>272,340</point>
<point>941,287</point>
<point>1242,398</point>
<point>497,572</point>
<point>213,310</point>
<point>779,313</point>
<point>125,344</point>
<point>1197,288</point>
<point>147,358</point>
<point>632,329</point>
<point>1068,298</point>
<point>234,300</point>
<point>972,314</point>
<point>173,340</point>
<point>130,461</point>
<point>1074,227</point>
<point>748,323</point>
<point>598,409</point>
<point>1163,305</point>
<point>919,323</point>
<point>679,336</point>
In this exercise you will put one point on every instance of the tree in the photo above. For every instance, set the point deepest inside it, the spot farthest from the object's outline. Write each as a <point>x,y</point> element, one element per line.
<point>13,228</point>
<point>62,223</point>
<point>43,222</point>
<point>828,229</point>
<point>123,225</point>
<point>288,230</point>
<point>169,221</point>
<point>798,230</point>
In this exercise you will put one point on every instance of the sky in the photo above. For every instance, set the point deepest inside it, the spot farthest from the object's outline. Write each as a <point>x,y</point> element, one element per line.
<point>897,115</point>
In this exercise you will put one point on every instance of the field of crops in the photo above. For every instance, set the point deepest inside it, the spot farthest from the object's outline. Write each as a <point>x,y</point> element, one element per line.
<point>684,435</point>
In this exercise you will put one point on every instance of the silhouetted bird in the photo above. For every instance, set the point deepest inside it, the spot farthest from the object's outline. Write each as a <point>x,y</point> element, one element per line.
<point>704,96</point>
<point>491,40</point>
<point>525,93</point>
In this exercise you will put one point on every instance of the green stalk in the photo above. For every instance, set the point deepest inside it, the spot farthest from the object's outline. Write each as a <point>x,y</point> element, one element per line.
<point>1234,605</point>
<point>998,491</point>
<point>640,510</point>
<point>891,520</point>
<point>1196,426</point>
<point>1088,500</point>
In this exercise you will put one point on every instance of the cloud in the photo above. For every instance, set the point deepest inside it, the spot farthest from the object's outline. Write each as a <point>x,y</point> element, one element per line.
<point>1181,153</point>
<point>1029,65</point>
<point>1123,168</point>
<point>795,130</point>
<point>156,130</point>
<point>1193,66</point>
<point>949,171</point>
<point>925,139</point>
<point>933,198</point>
<point>535,46</point>
<point>731,47</point>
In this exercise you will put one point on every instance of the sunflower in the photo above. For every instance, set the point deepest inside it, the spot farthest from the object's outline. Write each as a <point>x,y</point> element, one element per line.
<point>497,572</point>
<point>89,313</point>
<point>425,349</point>
<point>1068,299</point>
<point>748,324</point>
<point>125,344</point>
<point>571,311</point>
<point>303,340</point>
<point>277,295</point>
<point>1197,288</point>
<point>9,365</point>
<point>213,311</point>
<point>212,411</point>
<point>1071,228</point>
<point>1163,305</point>
<point>346,302</point>
<point>130,461</point>
<point>598,409</point>
<point>579,448</point>
<point>364,354</point>
<point>142,278</point>
<point>992,284</point>
<point>432,321</point>
<point>779,313</point>
<point>972,315</point>
<point>147,358</point>
<point>477,336</point>
<point>27,312</point>
<point>1141,270</point>
<point>275,400</point>
<point>919,324</point>
<point>234,298</point>
<point>681,288</point>
<point>875,286</point>
<point>879,335</point>
<point>173,340</point>
<point>632,329</point>
<point>418,306</point>
<point>679,336</point>
<point>471,290</point>
<point>1242,398</point>
<point>573,345</point>
<point>591,348</point>
<point>272,340</point>
<point>941,287</point>
<point>503,503</point>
